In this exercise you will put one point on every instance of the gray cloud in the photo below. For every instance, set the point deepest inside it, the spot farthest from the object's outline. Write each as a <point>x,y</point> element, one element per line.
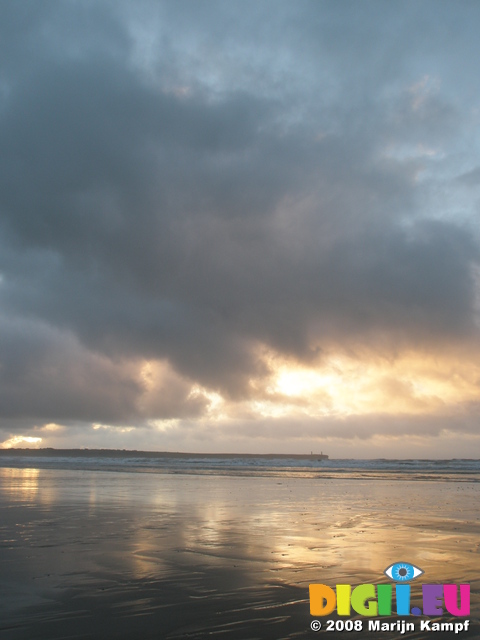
<point>470,178</point>
<point>186,184</point>
<point>46,376</point>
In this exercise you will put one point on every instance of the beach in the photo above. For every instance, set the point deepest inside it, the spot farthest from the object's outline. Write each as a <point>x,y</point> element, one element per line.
<point>109,554</point>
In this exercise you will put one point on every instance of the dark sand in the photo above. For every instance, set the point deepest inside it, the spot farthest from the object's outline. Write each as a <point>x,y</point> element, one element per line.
<point>105,555</point>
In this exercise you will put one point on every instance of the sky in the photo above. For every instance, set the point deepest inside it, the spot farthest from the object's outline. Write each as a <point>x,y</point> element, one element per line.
<point>241,226</point>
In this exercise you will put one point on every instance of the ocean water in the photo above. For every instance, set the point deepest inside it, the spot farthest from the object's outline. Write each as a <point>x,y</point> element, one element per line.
<point>457,470</point>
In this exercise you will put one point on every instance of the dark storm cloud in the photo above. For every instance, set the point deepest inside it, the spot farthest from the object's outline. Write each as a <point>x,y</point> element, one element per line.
<point>47,376</point>
<point>229,186</point>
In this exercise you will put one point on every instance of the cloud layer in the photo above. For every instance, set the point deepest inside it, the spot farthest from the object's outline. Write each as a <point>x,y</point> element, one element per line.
<point>195,198</point>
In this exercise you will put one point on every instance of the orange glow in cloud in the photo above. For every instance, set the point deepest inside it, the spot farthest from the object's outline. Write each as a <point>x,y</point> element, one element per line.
<point>20,440</point>
<point>338,386</point>
<point>343,386</point>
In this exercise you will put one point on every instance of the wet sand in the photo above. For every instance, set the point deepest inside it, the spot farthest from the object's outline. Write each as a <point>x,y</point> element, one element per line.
<point>87,554</point>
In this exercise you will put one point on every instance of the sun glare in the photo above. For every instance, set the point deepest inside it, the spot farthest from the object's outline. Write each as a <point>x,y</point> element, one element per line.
<point>342,386</point>
<point>303,382</point>
<point>16,440</point>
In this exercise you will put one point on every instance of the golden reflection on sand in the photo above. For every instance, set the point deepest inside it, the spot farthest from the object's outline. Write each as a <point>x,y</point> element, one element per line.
<point>21,484</point>
<point>29,485</point>
<point>146,549</point>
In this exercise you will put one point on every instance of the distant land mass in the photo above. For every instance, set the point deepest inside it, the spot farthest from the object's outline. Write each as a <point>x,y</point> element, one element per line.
<point>127,453</point>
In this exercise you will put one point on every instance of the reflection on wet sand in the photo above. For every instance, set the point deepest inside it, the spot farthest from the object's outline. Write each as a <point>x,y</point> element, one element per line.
<point>20,484</point>
<point>110,555</point>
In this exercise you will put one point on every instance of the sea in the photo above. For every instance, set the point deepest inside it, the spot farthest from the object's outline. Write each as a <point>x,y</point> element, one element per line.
<point>268,465</point>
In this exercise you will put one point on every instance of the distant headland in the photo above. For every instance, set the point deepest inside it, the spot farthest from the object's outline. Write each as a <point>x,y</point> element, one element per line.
<point>128,453</point>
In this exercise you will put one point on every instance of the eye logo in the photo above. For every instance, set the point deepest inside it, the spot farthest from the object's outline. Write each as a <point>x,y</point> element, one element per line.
<point>403,571</point>
<point>376,600</point>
